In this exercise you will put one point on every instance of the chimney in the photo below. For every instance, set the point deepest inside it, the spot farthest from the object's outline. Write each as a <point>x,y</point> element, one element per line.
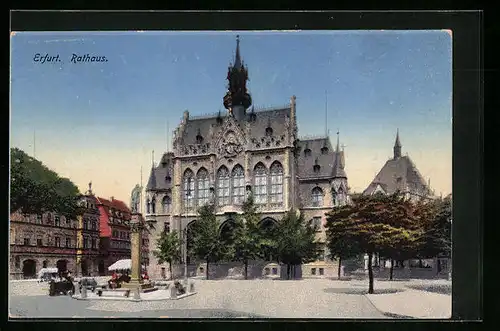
<point>112,198</point>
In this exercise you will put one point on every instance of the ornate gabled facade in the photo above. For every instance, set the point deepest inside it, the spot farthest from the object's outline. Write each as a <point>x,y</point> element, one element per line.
<point>87,235</point>
<point>400,174</point>
<point>224,157</point>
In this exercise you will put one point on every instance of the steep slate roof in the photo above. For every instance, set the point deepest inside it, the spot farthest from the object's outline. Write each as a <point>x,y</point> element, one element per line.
<point>331,163</point>
<point>399,174</point>
<point>258,119</point>
<point>158,177</point>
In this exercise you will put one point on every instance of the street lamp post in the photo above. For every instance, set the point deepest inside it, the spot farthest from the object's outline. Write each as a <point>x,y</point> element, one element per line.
<point>184,231</point>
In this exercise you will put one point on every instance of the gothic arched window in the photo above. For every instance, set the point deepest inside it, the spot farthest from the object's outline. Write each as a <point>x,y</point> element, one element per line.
<point>148,206</point>
<point>260,185</point>
<point>153,205</point>
<point>276,182</point>
<point>166,204</point>
<point>188,189</point>
<point>317,197</point>
<point>340,196</point>
<point>223,186</point>
<point>203,187</point>
<point>238,176</point>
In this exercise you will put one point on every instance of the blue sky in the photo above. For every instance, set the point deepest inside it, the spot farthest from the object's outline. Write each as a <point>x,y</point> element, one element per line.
<point>100,121</point>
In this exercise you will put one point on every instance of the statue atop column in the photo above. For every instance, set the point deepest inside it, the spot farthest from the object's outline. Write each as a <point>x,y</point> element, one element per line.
<point>135,199</point>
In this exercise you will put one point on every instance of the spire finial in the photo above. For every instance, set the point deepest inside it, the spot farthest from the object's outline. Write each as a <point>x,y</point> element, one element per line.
<point>90,187</point>
<point>397,146</point>
<point>338,141</point>
<point>237,59</point>
<point>153,158</point>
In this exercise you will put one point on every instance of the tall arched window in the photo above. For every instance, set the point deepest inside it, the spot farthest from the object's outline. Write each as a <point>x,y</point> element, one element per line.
<point>188,189</point>
<point>276,182</point>
<point>238,176</point>
<point>223,186</point>
<point>334,197</point>
<point>203,187</point>
<point>166,204</point>
<point>260,186</point>
<point>340,196</point>
<point>153,205</point>
<point>317,197</point>
<point>148,206</point>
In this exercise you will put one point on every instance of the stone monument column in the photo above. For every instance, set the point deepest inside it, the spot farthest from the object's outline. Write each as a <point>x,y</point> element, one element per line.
<point>135,242</point>
<point>136,226</point>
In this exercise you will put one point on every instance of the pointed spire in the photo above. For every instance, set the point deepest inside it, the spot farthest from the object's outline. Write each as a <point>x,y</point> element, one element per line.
<point>237,59</point>
<point>397,146</point>
<point>337,148</point>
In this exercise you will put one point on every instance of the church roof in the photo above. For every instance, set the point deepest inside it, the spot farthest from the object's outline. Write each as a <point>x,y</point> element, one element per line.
<point>161,175</point>
<point>208,126</point>
<point>399,174</point>
<point>319,152</point>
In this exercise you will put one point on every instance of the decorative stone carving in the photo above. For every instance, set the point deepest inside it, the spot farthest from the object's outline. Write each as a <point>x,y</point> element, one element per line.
<point>230,146</point>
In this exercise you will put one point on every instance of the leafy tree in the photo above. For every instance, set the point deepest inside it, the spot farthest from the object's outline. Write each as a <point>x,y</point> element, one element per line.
<point>35,189</point>
<point>206,244</point>
<point>295,241</point>
<point>248,240</point>
<point>168,249</point>
<point>435,220</point>
<point>375,223</point>
<point>340,245</point>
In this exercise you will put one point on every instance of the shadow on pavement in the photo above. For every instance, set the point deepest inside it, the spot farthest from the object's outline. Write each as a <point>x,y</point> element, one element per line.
<point>362,291</point>
<point>440,289</point>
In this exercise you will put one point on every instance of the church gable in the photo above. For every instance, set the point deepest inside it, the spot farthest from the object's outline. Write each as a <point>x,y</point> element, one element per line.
<point>378,189</point>
<point>230,141</point>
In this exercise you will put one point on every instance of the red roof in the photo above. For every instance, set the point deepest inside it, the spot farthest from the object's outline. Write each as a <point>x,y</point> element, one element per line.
<point>104,208</point>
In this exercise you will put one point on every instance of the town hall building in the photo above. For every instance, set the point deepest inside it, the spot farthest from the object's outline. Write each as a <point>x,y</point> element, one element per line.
<point>225,156</point>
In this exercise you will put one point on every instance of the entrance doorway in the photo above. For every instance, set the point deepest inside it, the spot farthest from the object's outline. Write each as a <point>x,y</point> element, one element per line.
<point>62,266</point>
<point>101,269</point>
<point>29,269</point>
<point>85,268</point>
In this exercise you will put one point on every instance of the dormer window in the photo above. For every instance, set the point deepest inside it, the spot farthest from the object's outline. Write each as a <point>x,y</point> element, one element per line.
<point>199,137</point>
<point>316,167</point>
<point>324,150</point>
<point>307,152</point>
<point>269,131</point>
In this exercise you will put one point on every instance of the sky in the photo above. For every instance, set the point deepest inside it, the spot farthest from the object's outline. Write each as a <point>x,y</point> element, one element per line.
<point>100,121</point>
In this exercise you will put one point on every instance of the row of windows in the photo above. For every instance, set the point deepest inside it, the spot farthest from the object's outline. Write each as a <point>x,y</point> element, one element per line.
<point>230,187</point>
<point>90,224</point>
<point>234,186</point>
<point>57,242</point>
<point>89,242</point>
<point>120,234</point>
<point>120,244</point>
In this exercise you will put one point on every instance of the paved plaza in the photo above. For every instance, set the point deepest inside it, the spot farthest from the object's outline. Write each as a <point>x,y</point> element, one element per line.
<point>307,298</point>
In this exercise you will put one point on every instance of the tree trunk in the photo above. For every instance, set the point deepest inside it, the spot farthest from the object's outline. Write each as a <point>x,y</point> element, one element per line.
<point>288,271</point>
<point>246,269</point>
<point>370,274</point>
<point>206,271</point>
<point>339,268</point>
<point>171,271</point>
<point>391,270</point>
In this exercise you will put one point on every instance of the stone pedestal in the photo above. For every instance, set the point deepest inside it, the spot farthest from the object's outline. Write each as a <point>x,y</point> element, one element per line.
<point>136,283</point>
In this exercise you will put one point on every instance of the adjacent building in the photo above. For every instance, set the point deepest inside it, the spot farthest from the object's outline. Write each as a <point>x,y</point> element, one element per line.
<point>226,156</point>
<point>399,173</point>
<point>88,238</point>
<point>114,225</point>
<point>41,241</point>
